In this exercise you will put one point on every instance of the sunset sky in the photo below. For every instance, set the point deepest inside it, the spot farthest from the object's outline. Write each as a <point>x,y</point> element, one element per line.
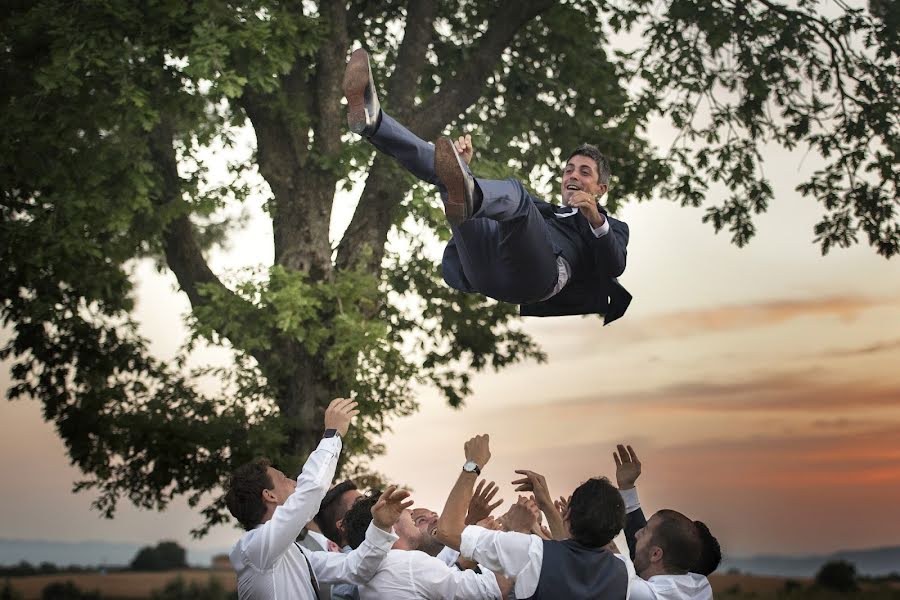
<point>760,387</point>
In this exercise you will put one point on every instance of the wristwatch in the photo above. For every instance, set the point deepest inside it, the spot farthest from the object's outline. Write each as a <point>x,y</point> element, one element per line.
<point>331,433</point>
<point>471,467</point>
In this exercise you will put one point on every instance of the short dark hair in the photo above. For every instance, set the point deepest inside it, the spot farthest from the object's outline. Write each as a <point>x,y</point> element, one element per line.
<point>710,551</point>
<point>679,540</point>
<point>244,495</point>
<point>596,513</point>
<point>331,511</point>
<point>592,152</point>
<point>357,519</point>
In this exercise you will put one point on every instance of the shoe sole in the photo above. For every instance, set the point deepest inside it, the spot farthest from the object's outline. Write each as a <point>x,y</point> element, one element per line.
<point>448,169</point>
<point>356,78</point>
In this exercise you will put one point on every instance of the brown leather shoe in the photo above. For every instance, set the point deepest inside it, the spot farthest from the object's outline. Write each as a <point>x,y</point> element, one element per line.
<point>454,176</point>
<point>363,108</point>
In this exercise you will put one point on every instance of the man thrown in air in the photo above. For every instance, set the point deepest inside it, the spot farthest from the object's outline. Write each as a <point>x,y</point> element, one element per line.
<point>506,244</point>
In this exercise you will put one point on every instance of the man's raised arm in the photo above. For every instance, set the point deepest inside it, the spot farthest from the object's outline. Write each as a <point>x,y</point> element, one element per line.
<point>277,534</point>
<point>359,566</point>
<point>628,469</point>
<point>453,518</point>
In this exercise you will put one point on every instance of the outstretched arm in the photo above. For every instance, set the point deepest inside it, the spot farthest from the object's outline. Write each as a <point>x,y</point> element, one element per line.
<point>278,533</point>
<point>453,518</point>
<point>359,566</point>
<point>628,469</point>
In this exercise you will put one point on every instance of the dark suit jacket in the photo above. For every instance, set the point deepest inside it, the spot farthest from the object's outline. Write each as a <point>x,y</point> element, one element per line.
<point>633,522</point>
<point>594,287</point>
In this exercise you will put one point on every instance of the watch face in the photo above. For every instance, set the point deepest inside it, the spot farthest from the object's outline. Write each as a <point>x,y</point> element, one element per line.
<point>470,467</point>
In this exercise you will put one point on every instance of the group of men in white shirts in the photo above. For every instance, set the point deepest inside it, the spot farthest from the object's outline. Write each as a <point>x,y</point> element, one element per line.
<point>379,546</point>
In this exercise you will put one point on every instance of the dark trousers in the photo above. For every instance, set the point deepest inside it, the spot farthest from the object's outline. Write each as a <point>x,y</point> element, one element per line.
<point>505,250</point>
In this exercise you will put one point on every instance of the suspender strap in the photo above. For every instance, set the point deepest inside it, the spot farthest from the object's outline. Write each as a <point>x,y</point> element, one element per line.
<point>312,576</point>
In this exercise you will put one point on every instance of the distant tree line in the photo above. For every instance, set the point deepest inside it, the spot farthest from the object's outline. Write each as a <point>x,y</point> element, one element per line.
<point>165,556</point>
<point>25,569</point>
<point>177,589</point>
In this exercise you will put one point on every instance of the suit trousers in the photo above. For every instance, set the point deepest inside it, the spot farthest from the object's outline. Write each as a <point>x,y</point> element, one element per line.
<point>505,250</point>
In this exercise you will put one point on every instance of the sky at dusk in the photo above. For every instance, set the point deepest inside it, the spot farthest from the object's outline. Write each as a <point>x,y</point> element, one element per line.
<point>760,387</point>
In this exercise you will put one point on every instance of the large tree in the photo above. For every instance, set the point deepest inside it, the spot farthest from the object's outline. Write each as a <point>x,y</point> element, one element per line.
<point>110,109</point>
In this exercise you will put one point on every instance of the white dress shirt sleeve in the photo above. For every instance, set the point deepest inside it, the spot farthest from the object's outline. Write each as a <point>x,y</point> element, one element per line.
<point>272,539</point>
<point>356,567</point>
<point>448,556</point>
<point>602,230</point>
<point>436,580</point>
<point>514,555</point>
<point>630,497</point>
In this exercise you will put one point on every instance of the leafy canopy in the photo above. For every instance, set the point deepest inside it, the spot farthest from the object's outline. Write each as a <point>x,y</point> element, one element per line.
<point>111,109</point>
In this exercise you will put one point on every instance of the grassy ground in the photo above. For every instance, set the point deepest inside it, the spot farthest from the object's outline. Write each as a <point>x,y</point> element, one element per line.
<point>127,586</point>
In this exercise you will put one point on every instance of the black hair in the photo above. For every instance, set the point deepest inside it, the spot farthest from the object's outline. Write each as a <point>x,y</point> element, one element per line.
<point>244,495</point>
<point>679,540</point>
<point>592,152</point>
<point>357,519</point>
<point>596,513</point>
<point>331,511</point>
<point>710,551</point>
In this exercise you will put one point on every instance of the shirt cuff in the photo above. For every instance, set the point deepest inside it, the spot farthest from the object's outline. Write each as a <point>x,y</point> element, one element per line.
<point>603,229</point>
<point>380,538</point>
<point>630,497</point>
<point>331,444</point>
<point>469,539</point>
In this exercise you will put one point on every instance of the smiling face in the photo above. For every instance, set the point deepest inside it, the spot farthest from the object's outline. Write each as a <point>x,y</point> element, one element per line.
<point>425,521</point>
<point>581,174</point>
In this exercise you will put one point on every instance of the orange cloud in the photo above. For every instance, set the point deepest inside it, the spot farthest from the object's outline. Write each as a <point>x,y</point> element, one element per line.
<point>576,334</point>
<point>741,316</point>
<point>774,392</point>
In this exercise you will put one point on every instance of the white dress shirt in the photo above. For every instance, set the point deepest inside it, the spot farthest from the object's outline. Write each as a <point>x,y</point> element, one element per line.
<point>414,575</point>
<point>448,556</point>
<point>270,566</point>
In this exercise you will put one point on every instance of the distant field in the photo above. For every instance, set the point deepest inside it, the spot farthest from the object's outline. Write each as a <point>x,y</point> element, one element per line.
<point>120,585</point>
<point>750,583</point>
<point>140,585</point>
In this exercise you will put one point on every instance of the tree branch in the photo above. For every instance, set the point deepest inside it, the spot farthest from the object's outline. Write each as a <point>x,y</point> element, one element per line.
<point>183,254</point>
<point>461,92</point>
<point>419,32</point>
<point>330,61</point>
<point>373,217</point>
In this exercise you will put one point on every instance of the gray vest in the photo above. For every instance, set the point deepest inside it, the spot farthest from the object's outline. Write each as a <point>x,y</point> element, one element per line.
<point>571,571</point>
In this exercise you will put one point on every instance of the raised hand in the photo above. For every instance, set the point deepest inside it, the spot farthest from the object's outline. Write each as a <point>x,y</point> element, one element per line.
<point>390,506</point>
<point>464,147</point>
<point>536,483</point>
<point>521,516</point>
<point>480,505</point>
<point>478,450</point>
<point>339,414</point>
<point>628,467</point>
<point>559,523</point>
<point>562,505</point>
<point>490,523</point>
<point>587,204</point>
